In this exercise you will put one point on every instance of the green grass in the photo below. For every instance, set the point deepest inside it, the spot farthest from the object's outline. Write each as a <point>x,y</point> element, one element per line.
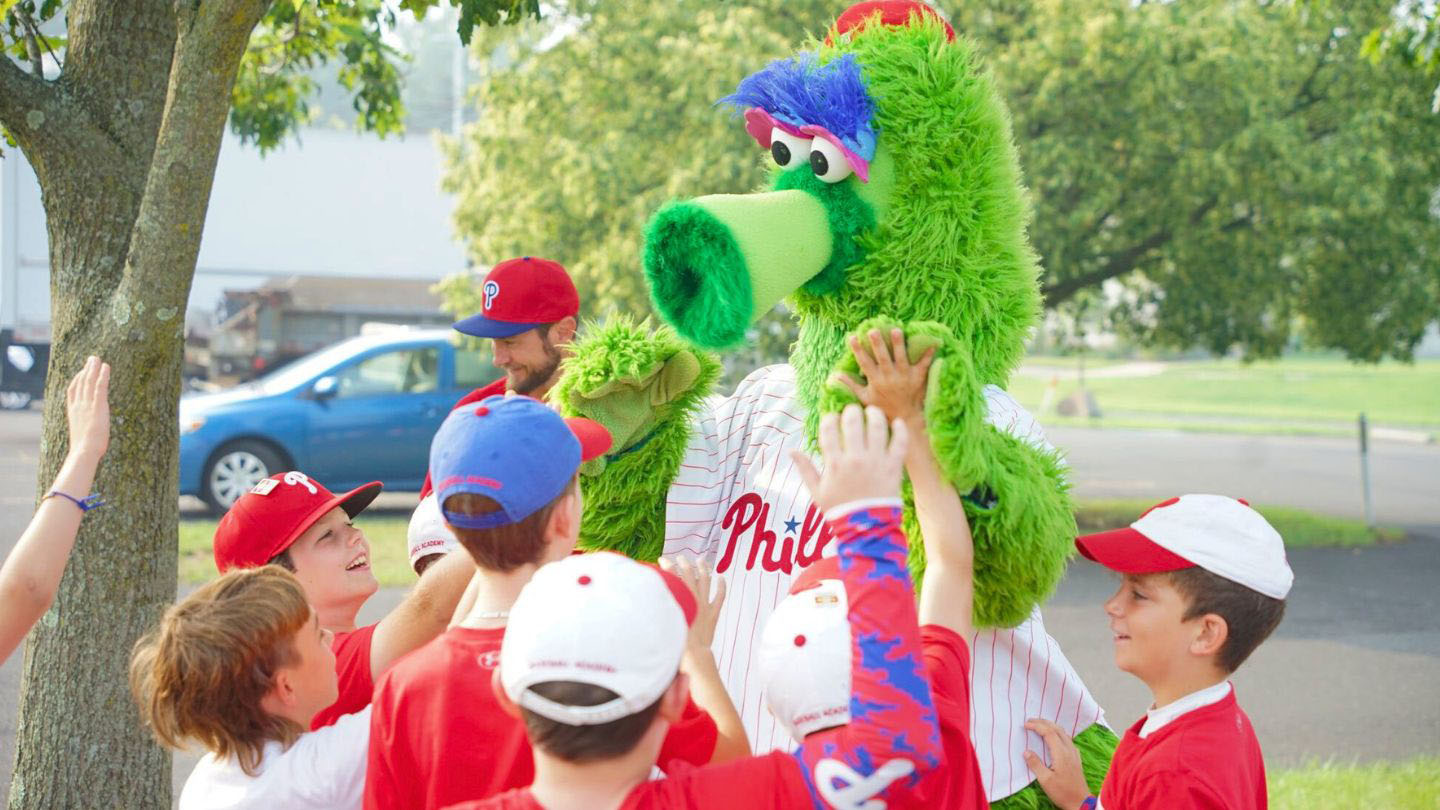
<point>391,563</point>
<point>1293,395</point>
<point>389,557</point>
<point>1300,529</point>
<point>1410,785</point>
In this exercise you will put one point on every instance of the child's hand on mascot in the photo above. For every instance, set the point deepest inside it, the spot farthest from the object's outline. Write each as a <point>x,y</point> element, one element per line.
<point>863,454</point>
<point>893,383</point>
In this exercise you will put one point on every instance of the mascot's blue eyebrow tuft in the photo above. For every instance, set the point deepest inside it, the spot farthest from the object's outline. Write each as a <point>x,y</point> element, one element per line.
<point>802,91</point>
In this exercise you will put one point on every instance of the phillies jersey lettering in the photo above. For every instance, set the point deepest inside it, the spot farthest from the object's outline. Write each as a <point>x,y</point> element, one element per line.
<point>738,501</point>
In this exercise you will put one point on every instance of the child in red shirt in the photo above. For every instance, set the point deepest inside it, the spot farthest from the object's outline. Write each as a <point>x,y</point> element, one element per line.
<point>505,475</point>
<point>590,664</point>
<point>805,648</point>
<point>1205,579</point>
<point>293,521</point>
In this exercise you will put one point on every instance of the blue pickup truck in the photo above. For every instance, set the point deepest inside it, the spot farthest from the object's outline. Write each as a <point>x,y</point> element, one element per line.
<point>360,410</point>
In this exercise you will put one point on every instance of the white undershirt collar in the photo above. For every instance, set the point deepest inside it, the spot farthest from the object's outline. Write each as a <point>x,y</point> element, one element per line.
<point>1156,719</point>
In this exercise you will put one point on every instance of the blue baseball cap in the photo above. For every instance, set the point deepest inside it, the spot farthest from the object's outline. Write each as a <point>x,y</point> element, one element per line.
<point>514,450</point>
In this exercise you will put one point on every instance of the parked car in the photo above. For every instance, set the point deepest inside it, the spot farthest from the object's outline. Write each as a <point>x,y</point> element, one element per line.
<point>360,410</point>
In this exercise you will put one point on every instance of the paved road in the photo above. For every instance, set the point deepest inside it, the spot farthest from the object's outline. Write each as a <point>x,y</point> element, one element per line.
<point>1353,673</point>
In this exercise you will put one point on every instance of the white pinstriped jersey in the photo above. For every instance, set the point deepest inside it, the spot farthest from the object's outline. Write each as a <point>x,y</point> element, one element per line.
<point>739,502</point>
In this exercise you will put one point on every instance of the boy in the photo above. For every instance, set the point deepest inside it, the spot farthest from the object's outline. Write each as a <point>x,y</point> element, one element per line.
<point>1204,583</point>
<point>242,666</point>
<point>807,686</point>
<point>505,474</point>
<point>590,663</point>
<point>296,523</point>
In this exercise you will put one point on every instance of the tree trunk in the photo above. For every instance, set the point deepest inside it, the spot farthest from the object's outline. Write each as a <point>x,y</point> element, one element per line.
<point>124,145</point>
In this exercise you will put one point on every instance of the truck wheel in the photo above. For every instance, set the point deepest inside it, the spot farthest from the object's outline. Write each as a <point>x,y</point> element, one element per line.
<point>234,470</point>
<point>15,400</point>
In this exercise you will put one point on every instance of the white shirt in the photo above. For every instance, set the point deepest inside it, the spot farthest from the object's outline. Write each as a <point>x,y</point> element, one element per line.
<point>739,502</point>
<point>322,769</point>
<point>1158,718</point>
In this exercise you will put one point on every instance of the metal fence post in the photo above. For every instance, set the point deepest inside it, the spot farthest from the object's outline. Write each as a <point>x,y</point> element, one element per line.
<point>1365,471</point>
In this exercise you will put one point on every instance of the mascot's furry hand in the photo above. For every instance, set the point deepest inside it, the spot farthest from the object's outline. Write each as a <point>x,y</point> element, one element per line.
<point>625,377</point>
<point>1016,494</point>
<point>645,387</point>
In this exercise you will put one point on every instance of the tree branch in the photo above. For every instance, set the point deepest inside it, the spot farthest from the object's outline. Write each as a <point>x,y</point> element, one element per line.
<point>31,108</point>
<point>1118,264</point>
<point>37,62</point>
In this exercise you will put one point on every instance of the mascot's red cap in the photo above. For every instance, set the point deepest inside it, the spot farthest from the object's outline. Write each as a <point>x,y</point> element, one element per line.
<point>892,12</point>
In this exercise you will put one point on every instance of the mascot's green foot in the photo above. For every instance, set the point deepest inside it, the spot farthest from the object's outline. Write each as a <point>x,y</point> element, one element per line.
<point>1097,747</point>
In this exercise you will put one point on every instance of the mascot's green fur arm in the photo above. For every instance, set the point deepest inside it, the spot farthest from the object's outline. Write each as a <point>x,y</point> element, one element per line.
<point>1096,745</point>
<point>1024,535</point>
<point>620,374</point>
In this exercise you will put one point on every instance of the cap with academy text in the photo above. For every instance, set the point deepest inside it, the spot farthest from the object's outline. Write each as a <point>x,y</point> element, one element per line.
<point>805,650</point>
<point>601,619</point>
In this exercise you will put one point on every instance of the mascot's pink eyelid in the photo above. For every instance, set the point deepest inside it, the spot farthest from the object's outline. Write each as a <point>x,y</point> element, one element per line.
<point>759,124</point>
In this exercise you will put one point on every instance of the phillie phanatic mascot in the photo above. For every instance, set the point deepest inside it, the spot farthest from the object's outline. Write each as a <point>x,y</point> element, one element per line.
<point>896,200</point>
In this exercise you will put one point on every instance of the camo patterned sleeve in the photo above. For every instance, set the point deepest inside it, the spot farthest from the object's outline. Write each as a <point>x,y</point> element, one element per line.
<point>893,737</point>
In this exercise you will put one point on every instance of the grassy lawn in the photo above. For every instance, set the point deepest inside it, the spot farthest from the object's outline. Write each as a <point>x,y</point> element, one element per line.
<point>1294,395</point>
<point>1409,785</point>
<point>391,563</point>
<point>1299,528</point>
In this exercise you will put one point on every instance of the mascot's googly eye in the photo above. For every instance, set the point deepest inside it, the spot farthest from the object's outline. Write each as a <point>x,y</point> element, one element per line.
<point>788,150</point>
<point>828,162</point>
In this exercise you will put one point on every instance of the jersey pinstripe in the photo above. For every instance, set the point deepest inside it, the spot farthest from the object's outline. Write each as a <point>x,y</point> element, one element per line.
<point>738,501</point>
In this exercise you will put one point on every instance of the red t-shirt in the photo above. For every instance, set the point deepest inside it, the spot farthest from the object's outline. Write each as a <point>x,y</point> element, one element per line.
<point>958,785</point>
<point>771,782</point>
<point>1206,758</point>
<point>357,682</point>
<point>438,735</point>
<point>487,390</point>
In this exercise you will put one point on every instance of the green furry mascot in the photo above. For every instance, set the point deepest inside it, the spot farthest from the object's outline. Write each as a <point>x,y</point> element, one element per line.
<point>896,201</point>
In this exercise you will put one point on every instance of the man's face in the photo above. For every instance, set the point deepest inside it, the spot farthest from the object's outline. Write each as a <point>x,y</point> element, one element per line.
<point>1147,620</point>
<point>332,562</point>
<point>529,359</point>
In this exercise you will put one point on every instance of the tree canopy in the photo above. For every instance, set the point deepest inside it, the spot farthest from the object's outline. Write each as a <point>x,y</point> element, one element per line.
<point>1230,175</point>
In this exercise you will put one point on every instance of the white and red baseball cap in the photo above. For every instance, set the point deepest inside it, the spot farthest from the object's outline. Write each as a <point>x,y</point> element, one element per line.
<point>601,619</point>
<point>427,533</point>
<point>266,520</point>
<point>1219,534</point>
<point>805,651</point>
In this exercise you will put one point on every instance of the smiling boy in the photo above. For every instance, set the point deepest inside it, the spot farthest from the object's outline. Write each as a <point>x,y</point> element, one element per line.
<point>295,522</point>
<point>1204,583</point>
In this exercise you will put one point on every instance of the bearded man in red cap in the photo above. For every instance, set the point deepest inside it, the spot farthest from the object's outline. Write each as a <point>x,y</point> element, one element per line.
<point>528,311</point>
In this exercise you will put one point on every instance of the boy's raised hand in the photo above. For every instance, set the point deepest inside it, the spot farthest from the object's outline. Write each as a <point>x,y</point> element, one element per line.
<point>87,409</point>
<point>863,453</point>
<point>892,383</point>
<point>697,576</point>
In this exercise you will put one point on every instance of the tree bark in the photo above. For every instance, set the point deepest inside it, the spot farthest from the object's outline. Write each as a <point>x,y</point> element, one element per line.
<point>124,145</point>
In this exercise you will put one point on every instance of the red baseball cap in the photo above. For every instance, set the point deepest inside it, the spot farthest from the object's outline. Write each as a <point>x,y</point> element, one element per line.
<point>1222,535</point>
<point>268,518</point>
<point>895,13</point>
<point>520,294</point>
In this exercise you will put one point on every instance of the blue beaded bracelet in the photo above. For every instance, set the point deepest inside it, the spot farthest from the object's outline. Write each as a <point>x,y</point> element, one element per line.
<point>1089,803</point>
<point>91,501</point>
